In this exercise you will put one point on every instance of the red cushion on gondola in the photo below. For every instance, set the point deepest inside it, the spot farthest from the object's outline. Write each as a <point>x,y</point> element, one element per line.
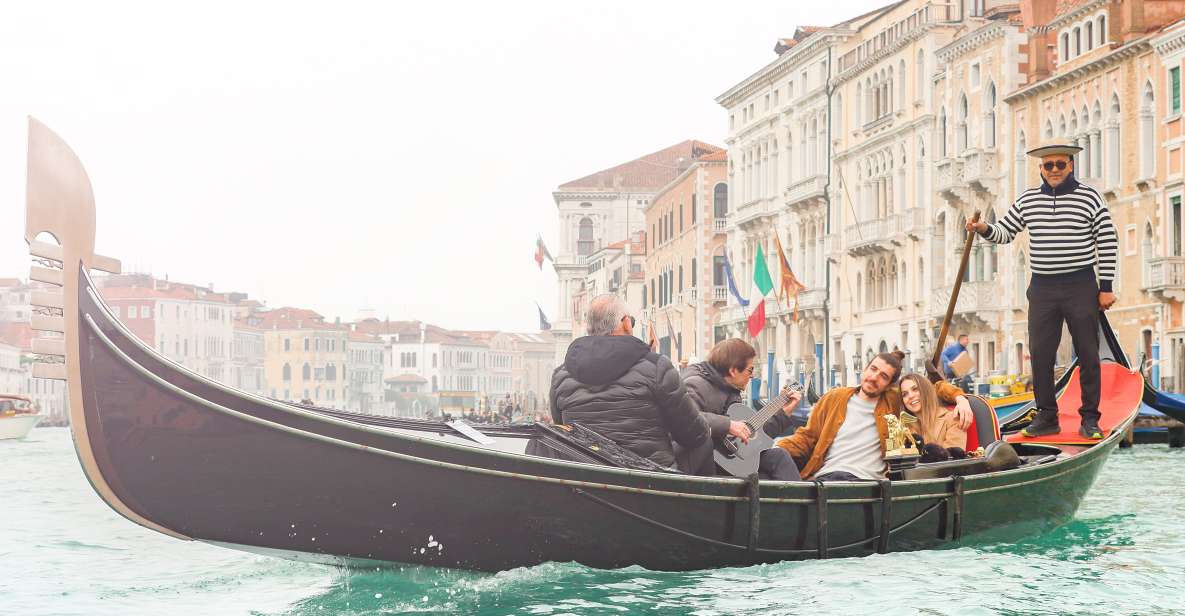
<point>1121,390</point>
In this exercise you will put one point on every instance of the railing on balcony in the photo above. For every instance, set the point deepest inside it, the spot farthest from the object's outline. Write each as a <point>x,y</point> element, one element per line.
<point>974,297</point>
<point>978,168</point>
<point>874,234</point>
<point>720,224</point>
<point>914,221</point>
<point>806,190</point>
<point>1164,273</point>
<point>720,293</point>
<point>948,177</point>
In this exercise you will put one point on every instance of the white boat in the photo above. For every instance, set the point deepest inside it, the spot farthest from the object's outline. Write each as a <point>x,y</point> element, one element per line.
<point>18,415</point>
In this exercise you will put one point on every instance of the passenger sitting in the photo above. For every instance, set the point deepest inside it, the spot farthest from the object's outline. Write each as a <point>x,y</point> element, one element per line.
<point>716,384</point>
<point>844,439</point>
<point>937,425</point>
<point>613,384</point>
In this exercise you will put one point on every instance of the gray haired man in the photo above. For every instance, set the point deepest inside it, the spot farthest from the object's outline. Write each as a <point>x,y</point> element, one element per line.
<point>613,383</point>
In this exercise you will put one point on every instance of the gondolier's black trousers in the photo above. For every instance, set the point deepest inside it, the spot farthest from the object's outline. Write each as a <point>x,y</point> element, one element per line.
<point>1073,299</point>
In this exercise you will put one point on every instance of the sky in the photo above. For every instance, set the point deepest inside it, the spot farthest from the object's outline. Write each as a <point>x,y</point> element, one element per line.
<point>395,157</point>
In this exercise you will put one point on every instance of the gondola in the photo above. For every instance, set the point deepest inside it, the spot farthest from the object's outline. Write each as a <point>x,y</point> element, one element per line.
<point>198,460</point>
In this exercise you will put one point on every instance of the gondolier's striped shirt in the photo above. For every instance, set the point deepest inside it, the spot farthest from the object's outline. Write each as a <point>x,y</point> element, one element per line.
<point>1070,229</point>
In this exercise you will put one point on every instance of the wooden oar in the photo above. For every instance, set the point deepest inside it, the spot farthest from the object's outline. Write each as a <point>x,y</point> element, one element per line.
<point>932,368</point>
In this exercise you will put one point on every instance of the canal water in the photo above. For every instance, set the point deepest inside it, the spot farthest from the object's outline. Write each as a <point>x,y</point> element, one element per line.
<point>63,552</point>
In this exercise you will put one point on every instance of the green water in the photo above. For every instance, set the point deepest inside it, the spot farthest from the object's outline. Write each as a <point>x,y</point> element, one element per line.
<point>63,552</point>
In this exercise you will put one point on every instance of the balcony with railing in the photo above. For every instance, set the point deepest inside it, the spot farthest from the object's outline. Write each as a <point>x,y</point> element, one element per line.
<point>806,192</point>
<point>754,210</point>
<point>1165,276</point>
<point>914,222</point>
<point>948,179</point>
<point>974,298</point>
<point>719,293</point>
<point>833,247</point>
<point>720,224</point>
<point>873,236</point>
<point>979,169</point>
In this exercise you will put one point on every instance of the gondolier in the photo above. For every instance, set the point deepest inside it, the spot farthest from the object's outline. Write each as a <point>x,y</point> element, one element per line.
<point>1070,232</point>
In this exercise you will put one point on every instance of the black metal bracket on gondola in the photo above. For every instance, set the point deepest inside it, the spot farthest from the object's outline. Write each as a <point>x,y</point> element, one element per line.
<point>821,514</point>
<point>957,530</point>
<point>882,544</point>
<point>754,487</point>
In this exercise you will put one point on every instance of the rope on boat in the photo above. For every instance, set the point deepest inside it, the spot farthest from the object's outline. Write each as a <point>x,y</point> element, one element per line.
<point>752,549</point>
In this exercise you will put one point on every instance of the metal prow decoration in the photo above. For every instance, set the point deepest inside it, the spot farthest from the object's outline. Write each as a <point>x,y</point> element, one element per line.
<point>59,202</point>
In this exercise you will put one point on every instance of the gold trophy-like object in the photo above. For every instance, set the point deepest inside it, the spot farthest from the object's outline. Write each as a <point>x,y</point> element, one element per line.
<point>901,449</point>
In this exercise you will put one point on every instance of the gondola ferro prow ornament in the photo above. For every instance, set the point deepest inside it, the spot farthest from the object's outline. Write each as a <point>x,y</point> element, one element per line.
<point>59,201</point>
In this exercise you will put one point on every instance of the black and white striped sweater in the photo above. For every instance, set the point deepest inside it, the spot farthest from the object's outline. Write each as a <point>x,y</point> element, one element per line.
<point>1070,229</point>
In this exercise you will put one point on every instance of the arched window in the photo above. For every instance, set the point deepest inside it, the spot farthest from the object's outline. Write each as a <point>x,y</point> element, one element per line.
<point>585,243</point>
<point>720,200</point>
<point>942,133</point>
<point>921,277</point>
<point>1065,47</point>
<point>1077,41</point>
<point>287,372</point>
<point>921,74</point>
<point>1102,29</point>
<point>1048,129</point>
<point>1019,172</point>
<point>1147,133</point>
<point>901,85</point>
<point>1061,125</point>
<point>1113,137</point>
<point>961,142</point>
<point>989,124</point>
<point>1089,36</point>
<point>859,293</point>
<point>991,265</point>
<point>306,372</point>
<point>838,114</point>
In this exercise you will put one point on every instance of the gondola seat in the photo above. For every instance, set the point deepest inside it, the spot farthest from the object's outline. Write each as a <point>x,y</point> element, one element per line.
<point>984,429</point>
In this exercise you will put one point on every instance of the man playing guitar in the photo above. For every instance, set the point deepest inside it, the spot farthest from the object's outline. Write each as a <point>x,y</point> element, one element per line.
<point>715,387</point>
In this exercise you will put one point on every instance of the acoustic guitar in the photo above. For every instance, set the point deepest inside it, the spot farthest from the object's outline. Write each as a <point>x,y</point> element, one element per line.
<point>741,459</point>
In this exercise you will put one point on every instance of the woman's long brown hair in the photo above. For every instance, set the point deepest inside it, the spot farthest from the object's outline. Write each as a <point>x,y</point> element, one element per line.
<point>928,414</point>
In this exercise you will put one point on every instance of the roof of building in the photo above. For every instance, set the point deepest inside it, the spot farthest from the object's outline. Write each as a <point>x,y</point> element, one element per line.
<point>715,157</point>
<point>407,378</point>
<point>17,334</point>
<point>169,292</point>
<point>356,336</point>
<point>295,318</point>
<point>647,173</point>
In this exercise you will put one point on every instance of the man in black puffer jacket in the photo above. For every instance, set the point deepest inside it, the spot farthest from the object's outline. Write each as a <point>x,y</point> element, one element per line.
<point>614,384</point>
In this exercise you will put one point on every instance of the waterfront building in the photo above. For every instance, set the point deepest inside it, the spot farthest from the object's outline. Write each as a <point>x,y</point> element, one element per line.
<point>190,325</point>
<point>601,209</point>
<point>305,356</point>
<point>684,253</point>
<point>365,363</point>
<point>976,151</point>
<point>1162,262</point>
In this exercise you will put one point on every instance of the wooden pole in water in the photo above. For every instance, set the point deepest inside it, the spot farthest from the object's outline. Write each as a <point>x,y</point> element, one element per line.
<point>932,367</point>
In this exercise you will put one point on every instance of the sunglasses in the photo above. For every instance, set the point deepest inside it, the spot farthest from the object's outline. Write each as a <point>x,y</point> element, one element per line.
<point>1054,164</point>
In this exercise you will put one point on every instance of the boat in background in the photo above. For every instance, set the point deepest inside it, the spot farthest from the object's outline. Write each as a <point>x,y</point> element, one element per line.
<point>18,415</point>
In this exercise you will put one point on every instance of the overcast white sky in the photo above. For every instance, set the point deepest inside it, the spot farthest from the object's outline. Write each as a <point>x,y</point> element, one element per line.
<point>337,156</point>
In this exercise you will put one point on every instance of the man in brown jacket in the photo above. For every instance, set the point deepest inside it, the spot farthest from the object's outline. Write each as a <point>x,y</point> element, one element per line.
<point>844,439</point>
